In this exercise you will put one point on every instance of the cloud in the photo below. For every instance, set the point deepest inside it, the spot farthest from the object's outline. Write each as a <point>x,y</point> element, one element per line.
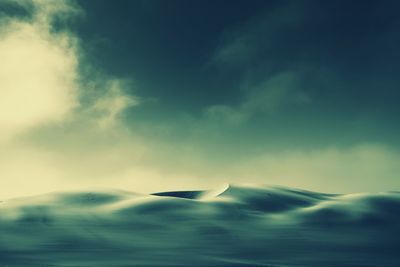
<point>271,75</point>
<point>266,97</point>
<point>40,81</point>
<point>38,71</point>
<point>112,103</point>
<point>49,108</point>
<point>258,37</point>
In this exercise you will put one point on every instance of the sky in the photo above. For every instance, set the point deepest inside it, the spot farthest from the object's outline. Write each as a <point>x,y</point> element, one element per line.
<point>152,95</point>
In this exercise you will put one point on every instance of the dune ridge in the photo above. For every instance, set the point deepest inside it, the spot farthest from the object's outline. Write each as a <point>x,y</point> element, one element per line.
<point>230,225</point>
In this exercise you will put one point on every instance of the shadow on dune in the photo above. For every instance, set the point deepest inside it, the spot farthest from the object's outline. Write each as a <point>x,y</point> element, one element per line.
<point>180,194</point>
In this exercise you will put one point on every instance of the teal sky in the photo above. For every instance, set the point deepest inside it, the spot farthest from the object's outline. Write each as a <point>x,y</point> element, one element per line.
<point>154,94</point>
<point>312,73</point>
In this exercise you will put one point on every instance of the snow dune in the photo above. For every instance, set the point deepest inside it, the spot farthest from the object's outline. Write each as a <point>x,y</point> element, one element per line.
<point>235,225</point>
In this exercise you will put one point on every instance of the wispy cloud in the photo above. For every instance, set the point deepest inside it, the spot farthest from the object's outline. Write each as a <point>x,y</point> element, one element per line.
<point>243,45</point>
<point>113,101</point>
<point>268,83</point>
<point>266,97</point>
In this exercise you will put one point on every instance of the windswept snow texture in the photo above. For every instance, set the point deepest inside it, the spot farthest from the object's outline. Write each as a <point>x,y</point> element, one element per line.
<point>231,226</point>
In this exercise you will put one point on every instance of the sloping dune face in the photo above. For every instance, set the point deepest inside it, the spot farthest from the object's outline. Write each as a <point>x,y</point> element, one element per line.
<point>232,225</point>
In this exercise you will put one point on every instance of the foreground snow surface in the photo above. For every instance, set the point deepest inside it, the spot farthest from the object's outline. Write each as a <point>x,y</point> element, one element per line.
<point>236,225</point>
